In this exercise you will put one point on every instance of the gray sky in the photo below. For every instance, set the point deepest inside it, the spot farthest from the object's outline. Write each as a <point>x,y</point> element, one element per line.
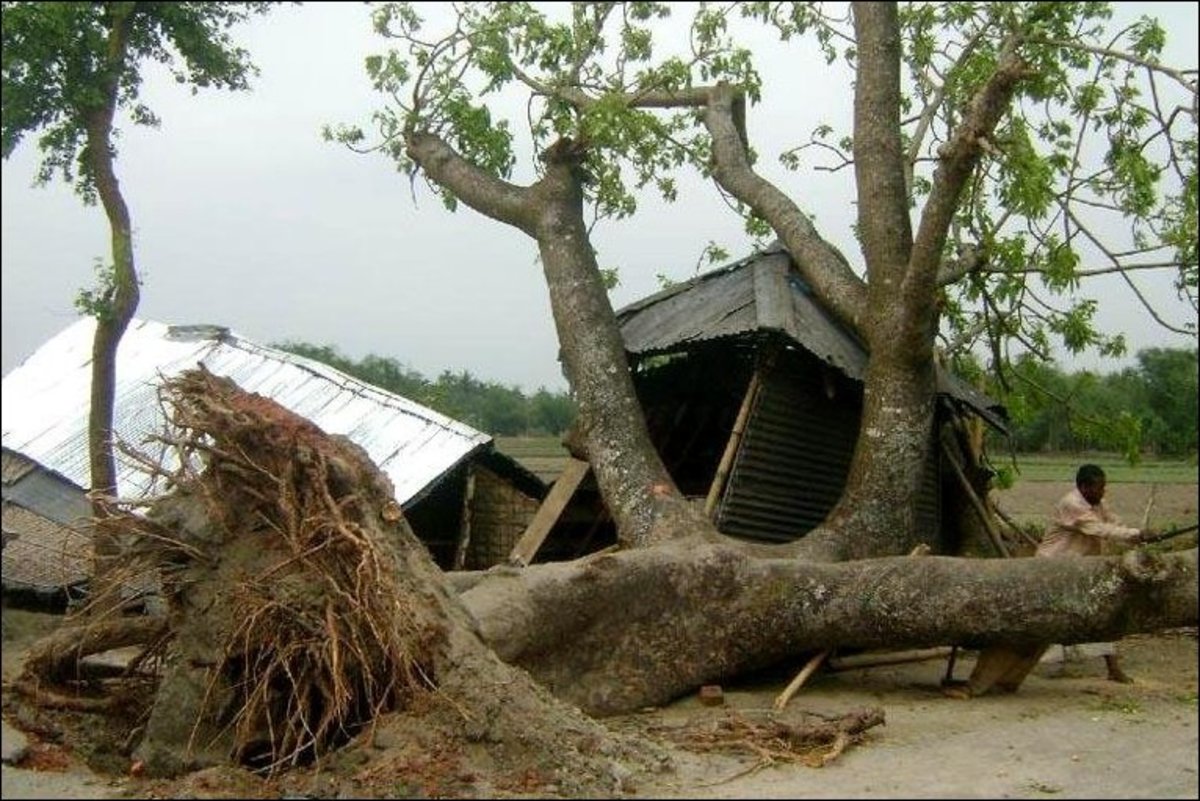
<point>244,217</point>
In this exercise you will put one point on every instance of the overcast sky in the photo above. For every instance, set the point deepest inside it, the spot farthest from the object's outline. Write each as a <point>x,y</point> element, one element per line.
<point>244,217</point>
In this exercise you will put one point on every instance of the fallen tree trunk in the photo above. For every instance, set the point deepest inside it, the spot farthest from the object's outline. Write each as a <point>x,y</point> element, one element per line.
<point>641,627</point>
<point>302,611</point>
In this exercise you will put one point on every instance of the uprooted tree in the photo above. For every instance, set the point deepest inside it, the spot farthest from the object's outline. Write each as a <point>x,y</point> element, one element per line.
<point>680,604</point>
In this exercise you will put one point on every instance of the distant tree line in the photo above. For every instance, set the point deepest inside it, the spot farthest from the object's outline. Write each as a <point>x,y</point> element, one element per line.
<point>1150,408</point>
<point>485,405</point>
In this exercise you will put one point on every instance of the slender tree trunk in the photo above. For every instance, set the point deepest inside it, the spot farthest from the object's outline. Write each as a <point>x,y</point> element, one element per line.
<point>117,309</point>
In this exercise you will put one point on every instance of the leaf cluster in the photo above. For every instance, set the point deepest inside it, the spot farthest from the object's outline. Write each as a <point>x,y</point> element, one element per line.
<point>62,65</point>
<point>582,72</point>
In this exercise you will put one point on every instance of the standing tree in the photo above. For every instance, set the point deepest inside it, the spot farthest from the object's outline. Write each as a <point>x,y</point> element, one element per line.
<point>68,68</point>
<point>993,143</point>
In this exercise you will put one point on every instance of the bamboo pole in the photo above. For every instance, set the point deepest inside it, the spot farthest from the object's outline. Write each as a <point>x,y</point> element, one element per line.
<point>731,447</point>
<point>856,661</point>
<point>1012,524</point>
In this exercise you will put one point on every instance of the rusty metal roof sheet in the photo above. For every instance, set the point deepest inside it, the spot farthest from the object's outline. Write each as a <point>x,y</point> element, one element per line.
<point>45,403</point>
<point>763,293</point>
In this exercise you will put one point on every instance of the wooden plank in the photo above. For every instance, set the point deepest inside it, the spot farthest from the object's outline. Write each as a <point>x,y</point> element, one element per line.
<point>547,514</point>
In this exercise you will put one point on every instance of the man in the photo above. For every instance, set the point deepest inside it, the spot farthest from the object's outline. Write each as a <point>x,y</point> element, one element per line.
<point>1080,525</point>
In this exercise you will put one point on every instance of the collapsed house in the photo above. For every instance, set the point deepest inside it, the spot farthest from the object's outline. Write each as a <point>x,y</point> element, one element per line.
<point>753,393</point>
<point>464,499</point>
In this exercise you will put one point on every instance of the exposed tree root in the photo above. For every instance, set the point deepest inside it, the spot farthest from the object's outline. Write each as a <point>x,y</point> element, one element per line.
<point>773,741</point>
<point>58,656</point>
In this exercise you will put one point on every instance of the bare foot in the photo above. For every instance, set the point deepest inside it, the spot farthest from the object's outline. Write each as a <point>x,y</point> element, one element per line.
<point>958,690</point>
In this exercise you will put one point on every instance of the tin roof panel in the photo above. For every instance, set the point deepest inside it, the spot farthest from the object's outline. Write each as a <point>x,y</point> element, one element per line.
<point>45,402</point>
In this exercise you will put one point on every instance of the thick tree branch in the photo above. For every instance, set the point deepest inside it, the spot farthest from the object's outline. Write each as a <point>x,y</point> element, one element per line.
<point>821,264</point>
<point>480,190</point>
<point>958,159</point>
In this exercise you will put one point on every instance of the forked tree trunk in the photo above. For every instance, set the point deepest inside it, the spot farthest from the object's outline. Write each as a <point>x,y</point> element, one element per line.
<point>642,497</point>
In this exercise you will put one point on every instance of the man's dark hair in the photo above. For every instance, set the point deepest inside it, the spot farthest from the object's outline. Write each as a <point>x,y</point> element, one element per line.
<point>1088,474</point>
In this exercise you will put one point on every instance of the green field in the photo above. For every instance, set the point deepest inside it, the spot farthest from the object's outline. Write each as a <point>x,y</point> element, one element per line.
<point>546,456</point>
<point>1061,467</point>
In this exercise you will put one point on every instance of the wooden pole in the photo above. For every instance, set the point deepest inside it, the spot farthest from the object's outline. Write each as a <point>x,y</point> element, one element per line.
<point>1149,507</point>
<point>867,660</point>
<point>988,526</point>
<point>731,447</point>
<point>1012,524</point>
<point>464,530</point>
<point>798,682</point>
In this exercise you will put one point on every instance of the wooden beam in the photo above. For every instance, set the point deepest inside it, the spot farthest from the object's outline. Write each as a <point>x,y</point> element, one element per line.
<point>548,513</point>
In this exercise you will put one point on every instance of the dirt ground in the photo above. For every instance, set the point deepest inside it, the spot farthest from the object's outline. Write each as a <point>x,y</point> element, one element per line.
<point>1068,733</point>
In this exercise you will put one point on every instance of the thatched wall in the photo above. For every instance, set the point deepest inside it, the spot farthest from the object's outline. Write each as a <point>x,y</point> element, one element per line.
<point>499,515</point>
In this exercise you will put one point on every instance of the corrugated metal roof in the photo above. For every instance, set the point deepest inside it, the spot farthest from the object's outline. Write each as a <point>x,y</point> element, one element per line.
<point>762,292</point>
<point>45,403</point>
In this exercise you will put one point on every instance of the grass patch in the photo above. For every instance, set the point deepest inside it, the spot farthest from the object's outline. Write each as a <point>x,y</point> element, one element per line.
<point>1125,705</point>
<point>1062,467</point>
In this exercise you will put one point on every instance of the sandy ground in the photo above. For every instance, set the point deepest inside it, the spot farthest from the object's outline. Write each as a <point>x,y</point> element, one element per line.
<point>1068,733</point>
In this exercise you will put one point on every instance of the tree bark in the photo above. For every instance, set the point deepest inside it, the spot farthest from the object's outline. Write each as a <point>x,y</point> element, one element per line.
<point>638,628</point>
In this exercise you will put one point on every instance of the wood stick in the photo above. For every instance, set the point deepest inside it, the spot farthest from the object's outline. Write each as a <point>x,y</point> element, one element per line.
<point>949,677</point>
<point>867,660</point>
<point>1012,524</point>
<point>464,531</point>
<point>1149,506</point>
<point>809,668</point>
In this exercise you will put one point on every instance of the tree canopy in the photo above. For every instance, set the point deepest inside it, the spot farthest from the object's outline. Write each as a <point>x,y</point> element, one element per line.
<point>1090,170</point>
<point>59,59</point>
<point>1000,154</point>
